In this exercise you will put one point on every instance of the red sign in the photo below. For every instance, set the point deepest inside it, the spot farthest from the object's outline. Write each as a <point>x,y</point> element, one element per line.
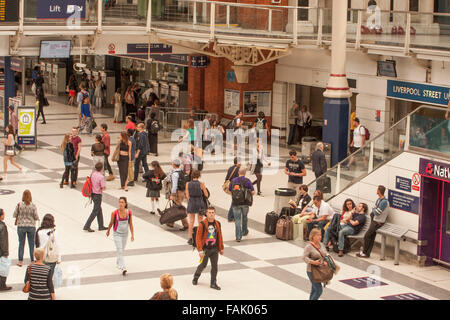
<point>111,48</point>
<point>416,182</point>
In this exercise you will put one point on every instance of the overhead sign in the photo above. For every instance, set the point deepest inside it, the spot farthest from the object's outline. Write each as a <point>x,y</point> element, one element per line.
<point>27,126</point>
<point>16,63</point>
<point>402,183</point>
<point>142,48</point>
<point>418,92</point>
<point>9,10</point>
<point>61,9</point>
<point>404,202</point>
<point>434,169</point>
<point>199,61</point>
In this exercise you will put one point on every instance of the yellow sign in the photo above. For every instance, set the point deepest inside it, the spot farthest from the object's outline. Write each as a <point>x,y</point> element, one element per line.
<point>26,122</point>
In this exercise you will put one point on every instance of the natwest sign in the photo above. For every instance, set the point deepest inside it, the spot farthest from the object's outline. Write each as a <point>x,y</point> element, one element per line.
<point>434,169</point>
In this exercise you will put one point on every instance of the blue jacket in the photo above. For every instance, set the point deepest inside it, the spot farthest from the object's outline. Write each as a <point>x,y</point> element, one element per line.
<point>142,143</point>
<point>133,148</point>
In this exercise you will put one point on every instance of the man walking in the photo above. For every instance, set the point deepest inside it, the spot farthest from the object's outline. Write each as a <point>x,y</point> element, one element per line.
<point>107,142</point>
<point>295,169</point>
<point>4,247</point>
<point>293,115</point>
<point>98,185</point>
<point>209,244</point>
<point>240,204</point>
<point>177,194</point>
<point>379,216</point>
<point>233,172</point>
<point>359,139</point>
<point>76,141</point>
<point>142,149</point>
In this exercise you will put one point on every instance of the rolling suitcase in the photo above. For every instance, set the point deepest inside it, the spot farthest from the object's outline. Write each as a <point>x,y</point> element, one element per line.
<point>287,211</point>
<point>285,228</point>
<point>271,223</point>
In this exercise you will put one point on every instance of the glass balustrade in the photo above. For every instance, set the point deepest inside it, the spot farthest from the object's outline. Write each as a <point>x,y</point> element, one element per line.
<point>430,31</point>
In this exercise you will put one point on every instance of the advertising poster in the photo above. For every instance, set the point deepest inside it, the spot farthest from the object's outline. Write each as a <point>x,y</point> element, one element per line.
<point>256,101</point>
<point>232,103</point>
<point>27,126</point>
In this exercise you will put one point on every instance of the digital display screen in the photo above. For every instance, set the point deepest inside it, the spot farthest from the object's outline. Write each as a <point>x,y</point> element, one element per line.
<point>55,49</point>
<point>387,69</point>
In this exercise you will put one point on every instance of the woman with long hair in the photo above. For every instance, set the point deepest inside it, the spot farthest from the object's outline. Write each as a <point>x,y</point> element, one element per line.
<point>98,150</point>
<point>69,157</point>
<point>168,293</point>
<point>154,178</point>
<point>259,164</point>
<point>124,145</point>
<point>195,194</point>
<point>347,209</point>
<point>129,100</point>
<point>121,220</point>
<point>118,106</point>
<point>45,233</point>
<point>9,149</point>
<point>26,217</point>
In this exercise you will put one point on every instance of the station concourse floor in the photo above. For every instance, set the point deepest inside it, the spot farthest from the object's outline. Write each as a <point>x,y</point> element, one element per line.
<point>259,267</point>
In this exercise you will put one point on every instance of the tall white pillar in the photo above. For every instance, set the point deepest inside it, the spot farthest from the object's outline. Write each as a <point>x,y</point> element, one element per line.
<point>337,85</point>
<point>400,18</point>
<point>426,6</point>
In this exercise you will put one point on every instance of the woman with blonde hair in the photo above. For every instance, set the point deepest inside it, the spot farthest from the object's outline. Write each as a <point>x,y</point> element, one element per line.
<point>26,217</point>
<point>314,254</point>
<point>40,278</point>
<point>168,293</point>
<point>69,157</point>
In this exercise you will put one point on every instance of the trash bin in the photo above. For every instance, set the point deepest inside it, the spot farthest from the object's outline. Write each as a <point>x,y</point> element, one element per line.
<point>308,147</point>
<point>282,197</point>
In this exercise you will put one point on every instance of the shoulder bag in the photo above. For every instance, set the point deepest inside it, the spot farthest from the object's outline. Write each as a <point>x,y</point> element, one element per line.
<point>321,273</point>
<point>26,287</point>
<point>115,156</point>
<point>226,184</point>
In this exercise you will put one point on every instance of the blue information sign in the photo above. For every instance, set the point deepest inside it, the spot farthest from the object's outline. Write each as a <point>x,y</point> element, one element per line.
<point>402,183</point>
<point>402,201</point>
<point>61,9</point>
<point>418,92</point>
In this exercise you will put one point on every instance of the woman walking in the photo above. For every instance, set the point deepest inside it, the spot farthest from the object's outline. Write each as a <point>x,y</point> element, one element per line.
<point>40,97</point>
<point>124,145</point>
<point>9,149</point>
<point>98,93</point>
<point>40,278</point>
<point>314,254</point>
<point>195,194</point>
<point>259,165</point>
<point>26,217</point>
<point>118,106</point>
<point>86,115</point>
<point>45,233</point>
<point>98,150</point>
<point>168,293</point>
<point>72,85</point>
<point>154,180</point>
<point>121,220</point>
<point>69,157</point>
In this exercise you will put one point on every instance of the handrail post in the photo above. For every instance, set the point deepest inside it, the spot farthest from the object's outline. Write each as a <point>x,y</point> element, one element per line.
<point>358,31</point>
<point>212,21</point>
<point>21,15</point>
<point>408,33</point>
<point>370,169</point>
<point>338,178</point>
<point>99,16</point>
<point>320,28</point>
<point>270,20</point>
<point>408,132</point>
<point>294,27</point>
<point>228,16</point>
<point>149,16</point>
<point>194,15</point>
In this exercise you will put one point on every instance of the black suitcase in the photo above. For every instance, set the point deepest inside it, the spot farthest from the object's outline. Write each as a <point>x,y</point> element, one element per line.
<point>324,184</point>
<point>287,211</point>
<point>271,223</point>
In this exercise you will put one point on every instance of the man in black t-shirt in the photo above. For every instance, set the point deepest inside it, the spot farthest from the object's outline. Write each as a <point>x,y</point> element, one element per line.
<point>295,169</point>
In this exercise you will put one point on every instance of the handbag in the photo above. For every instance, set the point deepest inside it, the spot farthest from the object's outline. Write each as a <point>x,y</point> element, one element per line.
<point>115,156</point>
<point>26,287</point>
<point>226,184</point>
<point>94,124</point>
<point>10,151</point>
<point>321,273</point>
<point>173,213</point>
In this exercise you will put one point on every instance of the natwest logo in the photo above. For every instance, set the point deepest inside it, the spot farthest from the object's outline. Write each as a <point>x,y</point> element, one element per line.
<point>429,169</point>
<point>434,169</point>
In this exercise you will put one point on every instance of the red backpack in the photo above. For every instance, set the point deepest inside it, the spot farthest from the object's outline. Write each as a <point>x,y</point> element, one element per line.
<point>86,191</point>
<point>367,135</point>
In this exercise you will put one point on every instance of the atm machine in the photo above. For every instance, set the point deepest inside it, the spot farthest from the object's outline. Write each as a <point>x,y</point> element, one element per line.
<point>109,79</point>
<point>58,76</point>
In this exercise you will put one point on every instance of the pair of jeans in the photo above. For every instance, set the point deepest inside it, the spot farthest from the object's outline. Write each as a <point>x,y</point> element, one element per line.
<point>316,288</point>
<point>230,214</point>
<point>141,158</point>
<point>52,266</point>
<point>319,225</point>
<point>369,237</point>
<point>240,214</point>
<point>66,174</point>
<point>74,173</point>
<point>107,166</point>
<point>28,232</point>
<point>212,254</point>
<point>292,130</point>
<point>344,231</point>
<point>96,212</point>
<point>120,240</point>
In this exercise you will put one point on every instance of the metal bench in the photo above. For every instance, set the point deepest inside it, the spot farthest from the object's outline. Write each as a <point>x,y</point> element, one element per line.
<point>394,231</point>
<point>359,237</point>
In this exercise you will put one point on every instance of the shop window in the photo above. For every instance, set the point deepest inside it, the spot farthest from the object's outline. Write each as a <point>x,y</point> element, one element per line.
<point>303,14</point>
<point>414,5</point>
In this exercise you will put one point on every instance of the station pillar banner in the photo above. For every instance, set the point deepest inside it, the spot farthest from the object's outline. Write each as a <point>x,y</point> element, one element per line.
<point>335,114</point>
<point>27,134</point>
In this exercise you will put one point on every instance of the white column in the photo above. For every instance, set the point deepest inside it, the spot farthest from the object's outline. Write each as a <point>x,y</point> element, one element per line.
<point>400,18</point>
<point>337,85</point>
<point>426,6</point>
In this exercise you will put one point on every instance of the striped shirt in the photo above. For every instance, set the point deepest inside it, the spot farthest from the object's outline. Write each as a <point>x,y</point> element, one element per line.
<point>41,282</point>
<point>26,215</point>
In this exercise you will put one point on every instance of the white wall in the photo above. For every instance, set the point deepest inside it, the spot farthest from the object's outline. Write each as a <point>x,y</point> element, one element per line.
<point>279,106</point>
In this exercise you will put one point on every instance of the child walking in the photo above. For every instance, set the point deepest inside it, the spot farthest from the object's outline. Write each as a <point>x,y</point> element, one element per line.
<point>154,178</point>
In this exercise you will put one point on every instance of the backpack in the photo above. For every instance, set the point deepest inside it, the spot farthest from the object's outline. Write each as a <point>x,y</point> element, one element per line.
<point>86,191</point>
<point>50,250</point>
<point>181,181</point>
<point>259,124</point>
<point>241,195</point>
<point>367,135</point>
<point>154,127</point>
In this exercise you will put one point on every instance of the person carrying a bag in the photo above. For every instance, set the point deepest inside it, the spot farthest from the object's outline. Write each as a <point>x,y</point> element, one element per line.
<point>313,255</point>
<point>4,249</point>
<point>9,149</point>
<point>39,279</point>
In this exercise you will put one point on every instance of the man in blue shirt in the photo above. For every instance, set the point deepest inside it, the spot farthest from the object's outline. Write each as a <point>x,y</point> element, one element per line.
<point>379,215</point>
<point>142,149</point>
<point>240,210</point>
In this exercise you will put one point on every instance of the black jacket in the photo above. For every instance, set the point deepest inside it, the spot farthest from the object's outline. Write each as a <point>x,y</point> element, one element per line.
<point>4,245</point>
<point>319,164</point>
<point>303,202</point>
<point>230,171</point>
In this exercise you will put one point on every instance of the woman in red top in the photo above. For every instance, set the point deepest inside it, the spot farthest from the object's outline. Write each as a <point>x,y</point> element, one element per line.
<point>130,124</point>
